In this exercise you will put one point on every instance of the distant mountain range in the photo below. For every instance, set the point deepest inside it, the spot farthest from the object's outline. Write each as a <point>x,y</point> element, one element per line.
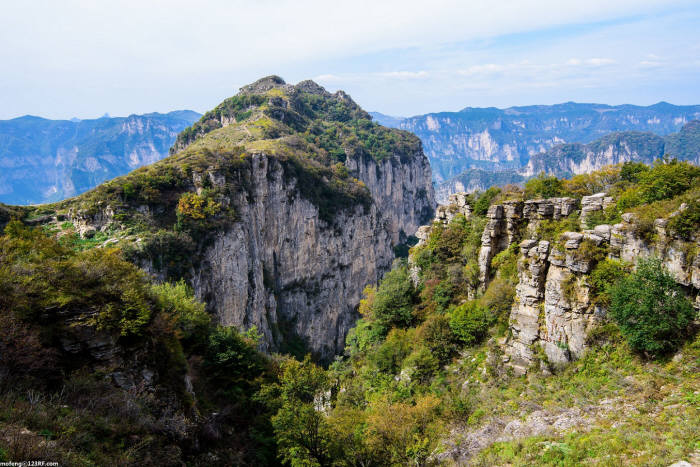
<point>497,139</point>
<point>47,160</point>
<point>565,160</point>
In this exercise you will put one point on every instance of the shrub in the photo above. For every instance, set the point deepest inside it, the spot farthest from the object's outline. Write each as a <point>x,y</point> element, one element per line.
<point>630,171</point>
<point>605,275</point>
<point>393,301</point>
<point>499,296</point>
<point>300,424</point>
<point>190,319</point>
<point>231,363</point>
<point>506,264</point>
<point>391,353</point>
<point>609,215</point>
<point>437,336</point>
<point>443,294</point>
<point>651,310</point>
<point>687,221</point>
<point>470,322</point>
<point>395,430</point>
<point>423,364</point>
<point>482,204</point>
<point>543,186</point>
<point>663,181</point>
<point>595,182</point>
<point>194,206</point>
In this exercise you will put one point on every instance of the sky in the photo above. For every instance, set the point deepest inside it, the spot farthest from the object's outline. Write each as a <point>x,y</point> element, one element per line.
<point>77,58</point>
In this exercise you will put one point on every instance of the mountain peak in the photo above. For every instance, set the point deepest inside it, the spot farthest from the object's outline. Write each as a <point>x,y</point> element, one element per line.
<point>263,85</point>
<point>270,102</point>
<point>311,87</point>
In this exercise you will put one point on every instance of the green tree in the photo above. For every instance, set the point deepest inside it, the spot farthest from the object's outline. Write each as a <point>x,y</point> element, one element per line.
<point>470,322</point>
<point>482,204</point>
<point>543,186</point>
<point>394,299</point>
<point>232,364</point>
<point>651,309</point>
<point>191,320</point>
<point>301,428</point>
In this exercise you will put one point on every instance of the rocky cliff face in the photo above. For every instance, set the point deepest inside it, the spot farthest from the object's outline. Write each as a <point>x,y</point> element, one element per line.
<point>565,160</point>
<point>282,269</point>
<point>554,310</point>
<point>299,222</point>
<point>402,191</point>
<point>299,280</point>
<point>571,159</point>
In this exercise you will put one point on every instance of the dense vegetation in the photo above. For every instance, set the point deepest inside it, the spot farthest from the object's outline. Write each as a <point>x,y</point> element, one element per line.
<point>153,381</point>
<point>423,367</point>
<point>94,358</point>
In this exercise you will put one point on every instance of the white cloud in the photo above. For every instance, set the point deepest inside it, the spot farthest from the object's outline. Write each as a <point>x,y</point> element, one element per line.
<point>85,57</point>
<point>600,61</point>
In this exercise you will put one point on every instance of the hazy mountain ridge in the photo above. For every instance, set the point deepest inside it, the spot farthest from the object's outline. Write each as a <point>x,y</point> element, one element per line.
<point>46,160</point>
<point>565,160</point>
<point>572,159</point>
<point>497,139</point>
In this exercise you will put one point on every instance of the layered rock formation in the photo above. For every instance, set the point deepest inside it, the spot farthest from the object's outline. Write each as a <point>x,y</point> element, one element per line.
<point>554,308</point>
<point>505,225</point>
<point>295,212</point>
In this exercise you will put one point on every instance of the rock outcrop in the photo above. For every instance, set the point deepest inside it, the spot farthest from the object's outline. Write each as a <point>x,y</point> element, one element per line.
<point>505,226</point>
<point>553,308</point>
<point>502,230</point>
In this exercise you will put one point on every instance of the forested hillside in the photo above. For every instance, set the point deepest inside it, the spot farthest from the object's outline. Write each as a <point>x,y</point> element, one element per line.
<point>553,324</point>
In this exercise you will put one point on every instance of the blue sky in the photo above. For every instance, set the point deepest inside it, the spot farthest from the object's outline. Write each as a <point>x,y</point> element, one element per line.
<point>85,58</point>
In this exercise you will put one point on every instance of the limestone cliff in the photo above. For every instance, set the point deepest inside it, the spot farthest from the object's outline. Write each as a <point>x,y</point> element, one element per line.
<point>554,307</point>
<point>278,207</point>
<point>282,269</point>
<point>496,139</point>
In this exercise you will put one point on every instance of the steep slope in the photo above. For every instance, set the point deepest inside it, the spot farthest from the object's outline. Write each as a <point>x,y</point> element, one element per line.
<point>279,206</point>
<point>501,340</point>
<point>570,159</point>
<point>494,139</point>
<point>47,160</point>
<point>565,160</point>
